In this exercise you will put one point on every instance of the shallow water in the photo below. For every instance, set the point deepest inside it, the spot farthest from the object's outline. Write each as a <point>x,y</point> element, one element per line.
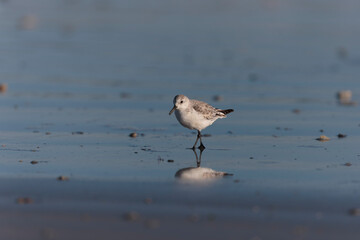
<point>82,76</point>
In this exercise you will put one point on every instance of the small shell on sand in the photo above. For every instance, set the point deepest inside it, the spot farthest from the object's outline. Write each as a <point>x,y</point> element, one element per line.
<point>27,22</point>
<point>148,200</point>
<point>323,138</point>
<point>344,97</point>
<point>354,212</point>
<point>296,111</point>
<point>63,178</point>
<point>3,87</point>
<point>24,200</point>
<point>340,135</point>
<point>77,133</point>
<point>131,216</point>
<point>133,135</point>
<point>152,223</point>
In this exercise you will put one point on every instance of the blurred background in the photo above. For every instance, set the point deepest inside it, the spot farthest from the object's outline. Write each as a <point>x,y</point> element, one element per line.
<point>138,54</point>
<point>164,47</point>
<point>78,76</point>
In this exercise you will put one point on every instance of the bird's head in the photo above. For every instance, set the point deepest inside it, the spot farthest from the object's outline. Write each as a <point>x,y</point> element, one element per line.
<point>180,102</point>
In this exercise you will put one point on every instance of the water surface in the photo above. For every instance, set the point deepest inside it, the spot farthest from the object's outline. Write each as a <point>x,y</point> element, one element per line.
<point>82,76</point>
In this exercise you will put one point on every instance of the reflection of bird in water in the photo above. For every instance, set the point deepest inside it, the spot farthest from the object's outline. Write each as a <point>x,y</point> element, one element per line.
<point>194,114</point>
<point>199,173</point>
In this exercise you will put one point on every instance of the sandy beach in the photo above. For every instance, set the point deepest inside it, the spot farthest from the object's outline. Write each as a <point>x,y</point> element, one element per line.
<point>77,78</point>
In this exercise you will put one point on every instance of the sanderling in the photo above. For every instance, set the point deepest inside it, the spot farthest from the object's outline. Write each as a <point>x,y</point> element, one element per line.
<point>194,114</point>
<point>199,173</point>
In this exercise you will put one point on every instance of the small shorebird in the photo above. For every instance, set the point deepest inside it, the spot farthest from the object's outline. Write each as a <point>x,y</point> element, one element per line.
<point>194,114</point>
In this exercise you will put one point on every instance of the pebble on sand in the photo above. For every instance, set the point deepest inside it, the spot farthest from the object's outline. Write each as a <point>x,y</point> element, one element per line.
<point>63,178</point>
<point>3,87</point>
<point>344,97</point>
<point>131,216</point>
<point>125,95</point>
<point>342,53</point>
<point>354,212</point>
<point>253,77</point>
<point>24,200</point>
<point>34,162</point>
<point>340,135</point>
<point>152,223</point>
<point>323,138</point>
<point>27,22</point>
<point>133,135</point>
<point>193,218</point>
<point>296,111</point>
<point>77,133</point>
<point>148,201</point>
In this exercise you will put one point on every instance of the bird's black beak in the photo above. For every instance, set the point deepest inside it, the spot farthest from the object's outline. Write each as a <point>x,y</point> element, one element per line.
<point>172,110</point>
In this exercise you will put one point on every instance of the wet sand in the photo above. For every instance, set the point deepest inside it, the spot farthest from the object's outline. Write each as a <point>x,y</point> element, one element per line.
<point>81,77</point>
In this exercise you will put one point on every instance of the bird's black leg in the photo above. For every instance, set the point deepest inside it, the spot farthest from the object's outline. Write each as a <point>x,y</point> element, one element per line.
<point>198,159</point>
<point>201,150</point>
<point>197,138</point>
<point>201,147</point>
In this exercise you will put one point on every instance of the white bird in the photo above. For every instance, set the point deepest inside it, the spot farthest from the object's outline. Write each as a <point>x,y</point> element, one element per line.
<point>194,114</point>
<point>199,174</point>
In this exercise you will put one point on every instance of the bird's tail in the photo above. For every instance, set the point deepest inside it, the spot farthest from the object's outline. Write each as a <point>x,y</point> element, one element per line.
<point>227,111</point>
<point>222,113</point>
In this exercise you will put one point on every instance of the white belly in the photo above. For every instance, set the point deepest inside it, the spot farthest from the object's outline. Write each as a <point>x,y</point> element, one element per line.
<point>192,120</point>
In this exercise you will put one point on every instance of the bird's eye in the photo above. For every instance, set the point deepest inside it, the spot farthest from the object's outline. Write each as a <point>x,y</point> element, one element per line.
<point>181,101</point>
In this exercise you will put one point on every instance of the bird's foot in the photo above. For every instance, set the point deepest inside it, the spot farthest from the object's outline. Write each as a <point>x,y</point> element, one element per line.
<point>201,147</point>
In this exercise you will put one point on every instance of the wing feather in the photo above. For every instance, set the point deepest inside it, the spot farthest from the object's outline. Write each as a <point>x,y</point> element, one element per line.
<point>208,111</point>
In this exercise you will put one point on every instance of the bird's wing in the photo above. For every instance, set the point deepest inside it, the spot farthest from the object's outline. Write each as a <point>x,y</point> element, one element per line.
<point>208,111</point>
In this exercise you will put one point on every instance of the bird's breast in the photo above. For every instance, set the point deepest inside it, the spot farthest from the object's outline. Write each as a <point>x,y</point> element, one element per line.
<point>192,120</point>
